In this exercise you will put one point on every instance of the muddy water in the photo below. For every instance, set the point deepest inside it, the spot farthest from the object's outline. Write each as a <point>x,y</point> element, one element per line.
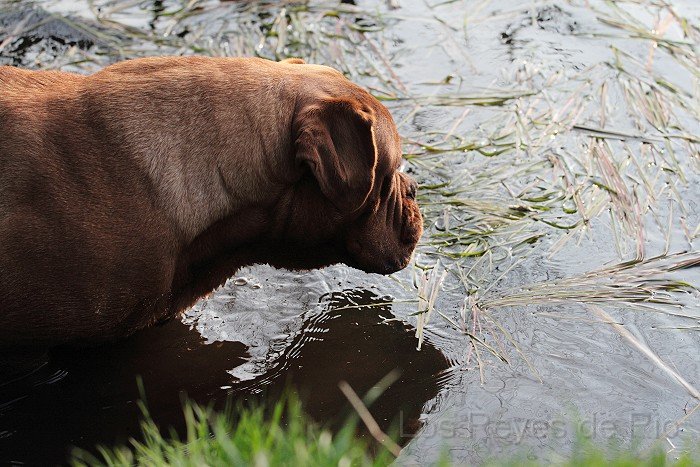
<point>449,72</point>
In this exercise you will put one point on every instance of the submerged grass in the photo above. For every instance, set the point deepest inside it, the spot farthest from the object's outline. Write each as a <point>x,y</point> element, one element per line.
<point>638,284</point>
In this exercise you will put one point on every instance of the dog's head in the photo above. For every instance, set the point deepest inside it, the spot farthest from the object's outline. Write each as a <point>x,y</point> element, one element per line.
<point>348,142</point>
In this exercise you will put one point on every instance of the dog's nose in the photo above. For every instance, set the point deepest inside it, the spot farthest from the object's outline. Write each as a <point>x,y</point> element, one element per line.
<point>412,189</point>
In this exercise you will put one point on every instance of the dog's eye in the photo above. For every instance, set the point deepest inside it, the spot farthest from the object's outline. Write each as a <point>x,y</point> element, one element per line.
<point>411,191</point>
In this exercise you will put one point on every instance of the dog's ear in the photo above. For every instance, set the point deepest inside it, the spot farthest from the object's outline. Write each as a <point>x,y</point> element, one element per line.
<point>335,139</point>
<point>293,61</point>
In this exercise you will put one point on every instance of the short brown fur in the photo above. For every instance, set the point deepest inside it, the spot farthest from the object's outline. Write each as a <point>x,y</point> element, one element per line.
<point>128,194</point>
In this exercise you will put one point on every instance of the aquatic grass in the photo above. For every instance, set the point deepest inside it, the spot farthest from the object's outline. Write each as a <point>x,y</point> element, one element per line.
<point>428,286</point>
<point>485,98</point>
<point>637,284</point>
<point>642,285</point>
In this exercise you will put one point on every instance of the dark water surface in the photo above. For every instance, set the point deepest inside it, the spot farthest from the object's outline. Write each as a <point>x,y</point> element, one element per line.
<point>556,145</point>
<point>86,397</point>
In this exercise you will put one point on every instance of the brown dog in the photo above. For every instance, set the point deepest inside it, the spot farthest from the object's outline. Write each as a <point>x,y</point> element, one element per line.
<point>128,194</point>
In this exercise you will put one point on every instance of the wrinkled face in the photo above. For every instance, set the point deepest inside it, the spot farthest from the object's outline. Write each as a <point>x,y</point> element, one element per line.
<point>353,150</point>
<point>383,239</point>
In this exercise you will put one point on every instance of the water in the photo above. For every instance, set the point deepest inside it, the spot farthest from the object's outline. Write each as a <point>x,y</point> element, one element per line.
<point>535,80</point>
<point>78,398</point>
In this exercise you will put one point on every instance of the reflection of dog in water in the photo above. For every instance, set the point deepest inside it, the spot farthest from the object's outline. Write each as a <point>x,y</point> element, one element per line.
<point>85,398</point>
<point>356,340</point>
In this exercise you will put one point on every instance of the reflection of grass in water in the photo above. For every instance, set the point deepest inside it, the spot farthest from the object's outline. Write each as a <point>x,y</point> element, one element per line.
<point>647,286</point>
<point>637,284</point>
